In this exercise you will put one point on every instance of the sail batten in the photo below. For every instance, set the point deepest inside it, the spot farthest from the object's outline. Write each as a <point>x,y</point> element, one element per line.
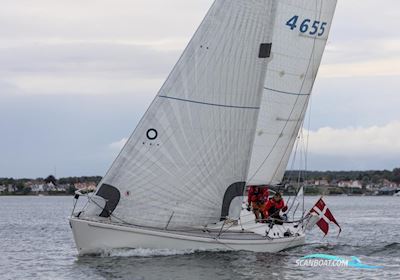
<point>286,92</point>
<point>210,104</point>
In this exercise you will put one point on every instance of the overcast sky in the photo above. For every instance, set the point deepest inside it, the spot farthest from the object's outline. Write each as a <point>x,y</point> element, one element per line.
<point>77,75</point>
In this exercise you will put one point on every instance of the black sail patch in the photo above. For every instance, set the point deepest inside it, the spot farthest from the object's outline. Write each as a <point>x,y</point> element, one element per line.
<point>112,196</point>
<point>265,50</point>
<point>234,190</point>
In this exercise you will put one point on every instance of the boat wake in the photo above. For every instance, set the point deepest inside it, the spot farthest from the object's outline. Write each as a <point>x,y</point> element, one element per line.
<point>381,250</point>
<point>390,250</point>
<point>142,253</point>
<point>145,253</point>
<point>338,249</point>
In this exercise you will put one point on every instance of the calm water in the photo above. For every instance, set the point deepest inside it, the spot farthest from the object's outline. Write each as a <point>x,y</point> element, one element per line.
<point>36,243</point>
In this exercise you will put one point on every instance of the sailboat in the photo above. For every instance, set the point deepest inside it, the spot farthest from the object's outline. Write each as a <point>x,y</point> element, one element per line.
<point>227,116</point>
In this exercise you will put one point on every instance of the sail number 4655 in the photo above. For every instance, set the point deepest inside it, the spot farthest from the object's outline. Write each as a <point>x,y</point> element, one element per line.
<point>307,26</point>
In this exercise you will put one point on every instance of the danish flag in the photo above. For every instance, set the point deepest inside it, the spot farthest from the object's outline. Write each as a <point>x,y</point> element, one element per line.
<point>326,216</point>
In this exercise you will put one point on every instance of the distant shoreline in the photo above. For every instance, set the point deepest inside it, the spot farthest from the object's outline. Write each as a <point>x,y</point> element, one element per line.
<point>38,195</point>
<point>316,183</point>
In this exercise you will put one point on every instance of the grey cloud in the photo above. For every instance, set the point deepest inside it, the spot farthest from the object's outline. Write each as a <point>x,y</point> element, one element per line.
<point>318,162</point>
<point>100,19</point>
<point>360,19</point>
<point>362,101</point>
<point>70,132</point>
<point>140,61</point>
<point>363,50</point>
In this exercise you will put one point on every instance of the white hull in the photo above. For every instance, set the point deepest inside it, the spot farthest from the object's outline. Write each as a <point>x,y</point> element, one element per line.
<point>92,237</point>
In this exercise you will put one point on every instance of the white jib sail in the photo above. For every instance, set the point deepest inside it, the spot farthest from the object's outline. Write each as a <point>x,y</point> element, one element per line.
<point>300,34</point>
<point>192,148</point>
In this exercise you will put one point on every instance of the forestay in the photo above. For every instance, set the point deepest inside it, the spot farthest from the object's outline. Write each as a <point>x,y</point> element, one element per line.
<point>300,34</point>
<point>189,155</point>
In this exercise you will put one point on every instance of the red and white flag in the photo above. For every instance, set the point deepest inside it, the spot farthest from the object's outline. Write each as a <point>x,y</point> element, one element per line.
<point>326,216</point>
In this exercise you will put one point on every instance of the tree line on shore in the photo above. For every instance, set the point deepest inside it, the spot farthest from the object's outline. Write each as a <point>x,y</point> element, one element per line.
<point>370,176</point>
<point>52,179</point>
<point>49,185</point>
<point>23,186</point>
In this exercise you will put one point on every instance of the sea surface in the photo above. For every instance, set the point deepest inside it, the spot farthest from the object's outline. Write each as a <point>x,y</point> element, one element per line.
<point>36,243</point>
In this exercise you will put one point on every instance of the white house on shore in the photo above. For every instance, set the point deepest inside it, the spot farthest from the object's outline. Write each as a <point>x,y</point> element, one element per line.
<point>350,184</point>
<point>389,184</point>
<point>87,186</point>
<point>322,182</point>
<point>49,187</point>
<point>37,188</point>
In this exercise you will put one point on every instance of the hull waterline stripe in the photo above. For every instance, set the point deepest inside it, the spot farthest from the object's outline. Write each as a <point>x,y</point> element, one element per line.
<point>209,104</point>
<point>286,92</point>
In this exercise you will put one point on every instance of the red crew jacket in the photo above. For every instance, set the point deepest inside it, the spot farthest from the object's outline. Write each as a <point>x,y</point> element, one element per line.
<point>261,195</point>
<point>273,205</point>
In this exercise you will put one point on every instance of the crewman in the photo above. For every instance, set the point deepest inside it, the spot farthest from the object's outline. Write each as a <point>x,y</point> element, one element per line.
<point>256,200</point>
<point>274,206</point>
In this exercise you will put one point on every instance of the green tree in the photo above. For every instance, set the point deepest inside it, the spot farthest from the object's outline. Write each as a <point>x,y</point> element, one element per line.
<point>71,189</point>
<point>365,180</point>
<point>396,175</point>
<point>26,190</point>
<point>51,179</point>
<point>375,179</point>
<point>20,186</point>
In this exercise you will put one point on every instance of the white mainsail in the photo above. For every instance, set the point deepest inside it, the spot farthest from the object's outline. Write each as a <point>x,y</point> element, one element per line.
<point>300,34</point>
<point>190,153</point>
